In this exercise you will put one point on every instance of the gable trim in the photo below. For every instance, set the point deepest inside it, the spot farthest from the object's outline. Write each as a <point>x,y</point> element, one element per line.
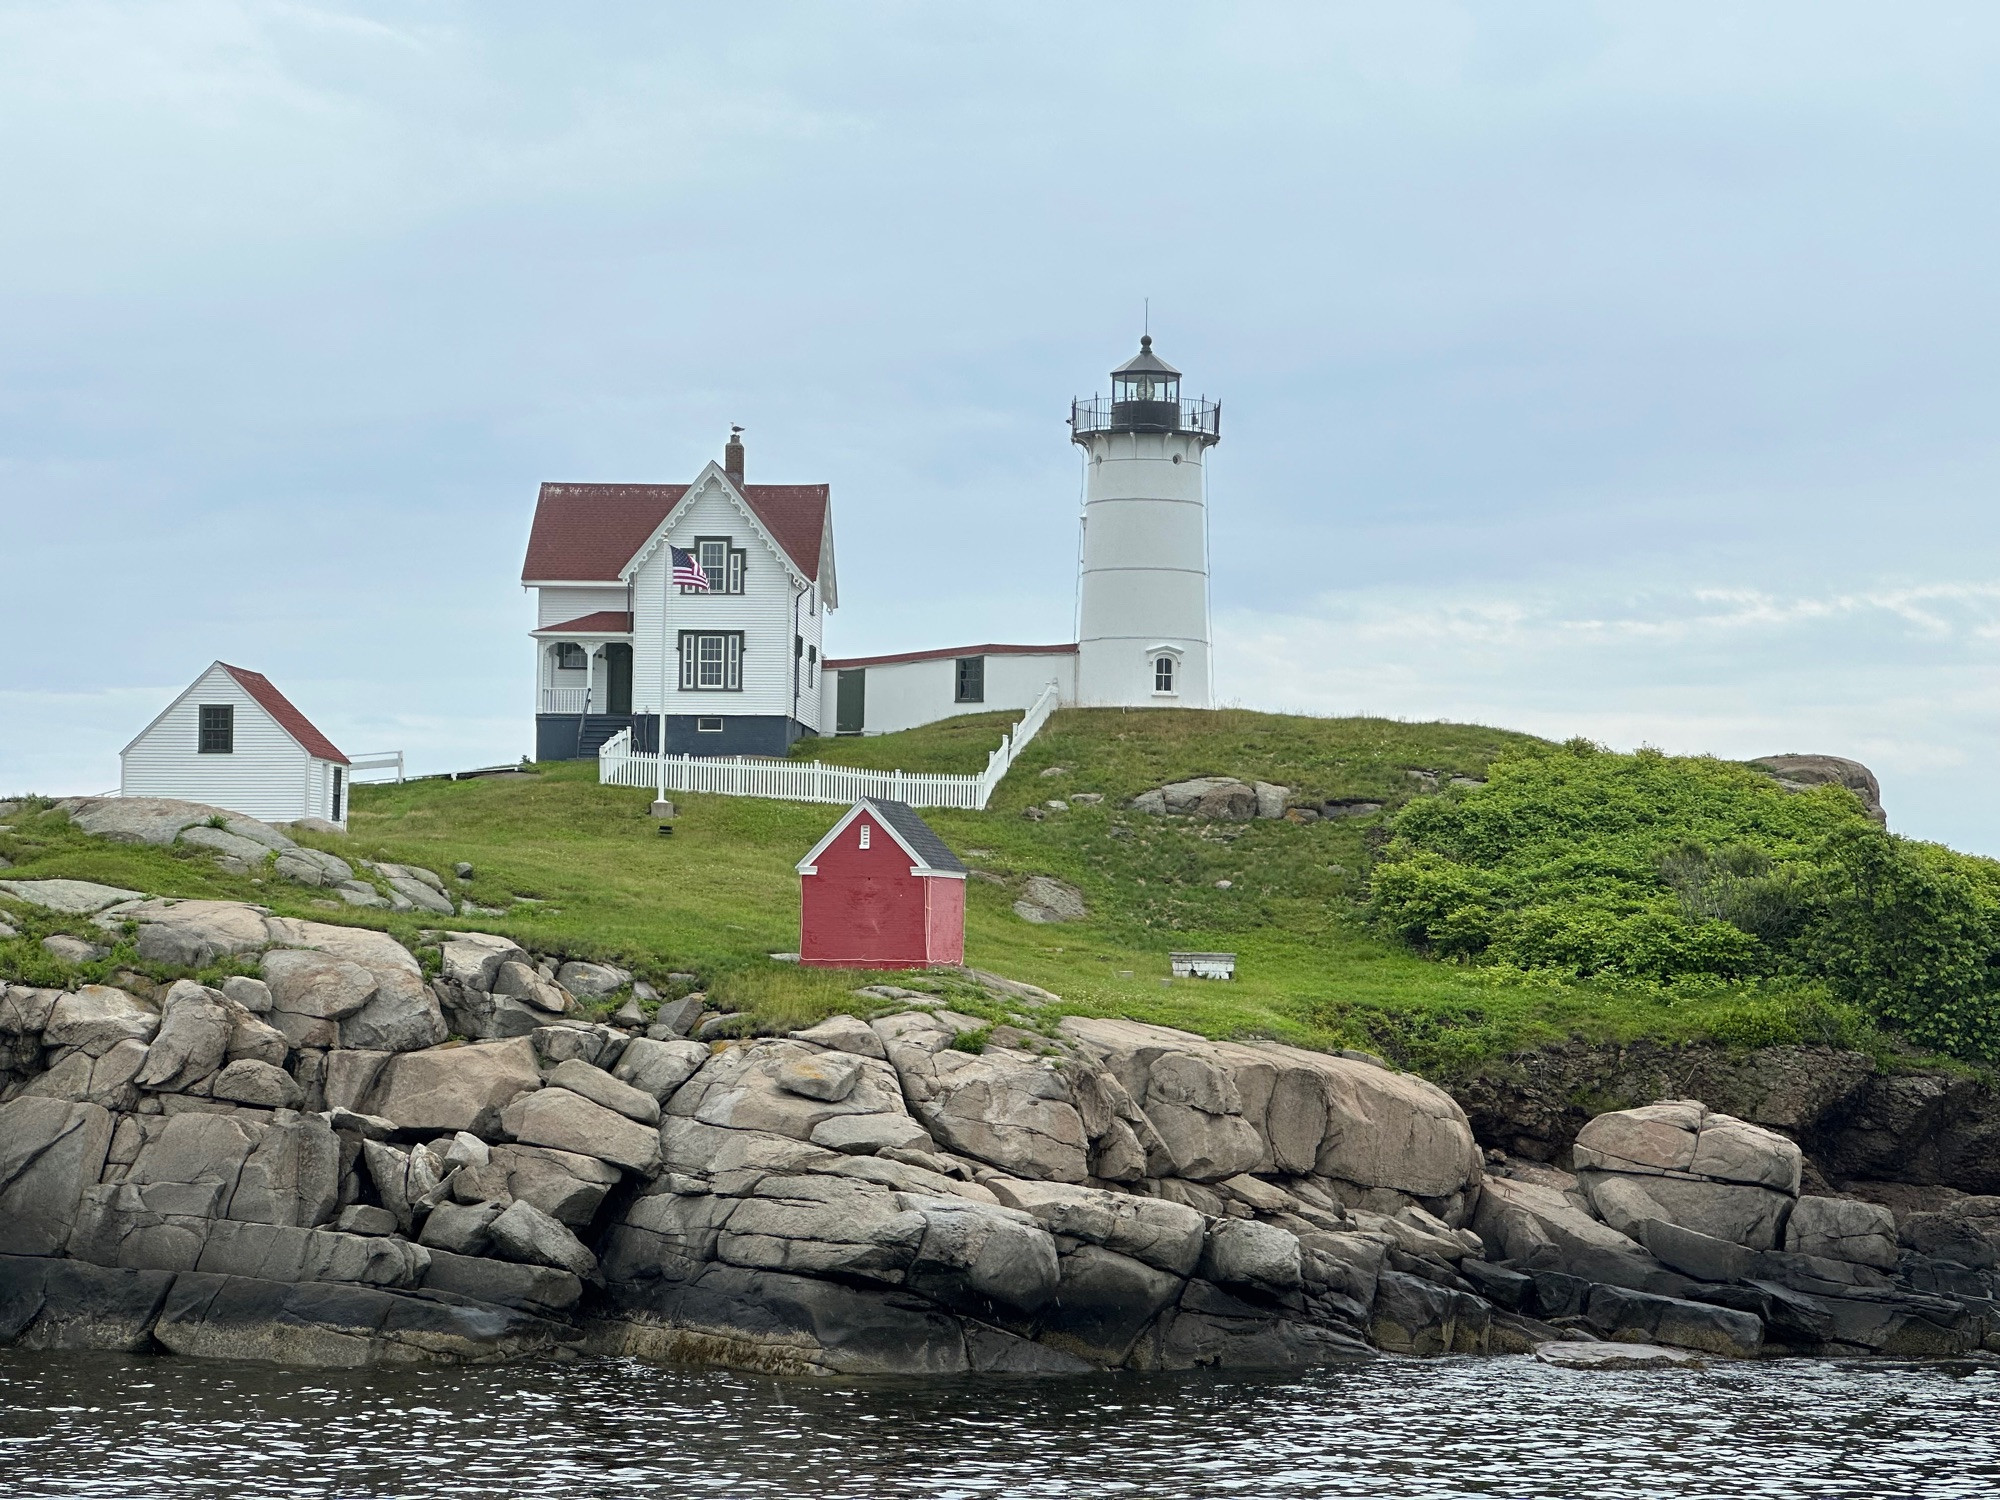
<point>810,864</point>
<point>713,471</point>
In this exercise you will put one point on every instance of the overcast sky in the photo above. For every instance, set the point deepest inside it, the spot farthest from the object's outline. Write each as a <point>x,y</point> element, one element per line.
<point>1619,370</point>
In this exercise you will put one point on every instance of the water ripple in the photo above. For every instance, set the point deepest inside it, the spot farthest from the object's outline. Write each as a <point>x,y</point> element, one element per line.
<point>109,1427</point>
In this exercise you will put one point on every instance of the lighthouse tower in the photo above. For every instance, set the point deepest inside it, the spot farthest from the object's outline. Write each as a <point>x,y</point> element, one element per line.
<point>1142,596</point>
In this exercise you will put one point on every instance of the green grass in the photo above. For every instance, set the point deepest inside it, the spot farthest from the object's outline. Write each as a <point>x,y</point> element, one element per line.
<point>720,894</point>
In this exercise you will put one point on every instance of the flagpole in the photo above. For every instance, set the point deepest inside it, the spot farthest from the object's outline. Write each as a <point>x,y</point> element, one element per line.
<point>667,583</point>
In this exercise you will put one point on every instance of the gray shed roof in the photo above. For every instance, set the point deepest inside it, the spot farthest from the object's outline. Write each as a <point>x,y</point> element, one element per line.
<point>931,851</point>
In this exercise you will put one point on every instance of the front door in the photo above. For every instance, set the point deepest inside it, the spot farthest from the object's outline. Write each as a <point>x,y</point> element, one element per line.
<point>617,678</point>
<point>850,704</point>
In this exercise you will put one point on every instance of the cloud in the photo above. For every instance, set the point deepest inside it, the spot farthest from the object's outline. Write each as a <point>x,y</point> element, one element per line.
<point>1585,368</point>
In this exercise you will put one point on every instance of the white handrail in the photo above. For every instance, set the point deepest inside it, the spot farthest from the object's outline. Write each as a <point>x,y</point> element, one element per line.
<point>379,760</point>
<point>618,764</point>
<point>565,700</point>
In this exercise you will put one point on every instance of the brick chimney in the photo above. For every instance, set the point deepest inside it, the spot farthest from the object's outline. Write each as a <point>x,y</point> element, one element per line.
<point>732,457</point>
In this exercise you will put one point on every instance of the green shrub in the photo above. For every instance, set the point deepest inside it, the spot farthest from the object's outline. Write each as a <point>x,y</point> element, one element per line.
<point>1435,903</point>
<point>1911,932</point>
<point>1690,871</point>
<point>1651,944</point>
<point>973,1041</point>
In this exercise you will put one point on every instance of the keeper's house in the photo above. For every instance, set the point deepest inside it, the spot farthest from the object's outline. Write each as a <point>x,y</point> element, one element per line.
<point>881,891</point>
<point>233,740</point>
<point>736,667</point>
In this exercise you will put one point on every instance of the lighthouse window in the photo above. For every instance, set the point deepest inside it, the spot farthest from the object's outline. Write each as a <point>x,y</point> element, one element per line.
<point>1163,674</point>
<point>1145,388</point>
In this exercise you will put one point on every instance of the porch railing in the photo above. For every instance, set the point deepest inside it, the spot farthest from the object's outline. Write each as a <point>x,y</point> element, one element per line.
<point>618,764</point>
<point>571,700</point>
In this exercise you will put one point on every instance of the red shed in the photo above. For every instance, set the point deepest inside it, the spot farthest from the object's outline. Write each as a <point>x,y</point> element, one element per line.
<point>881,891</point>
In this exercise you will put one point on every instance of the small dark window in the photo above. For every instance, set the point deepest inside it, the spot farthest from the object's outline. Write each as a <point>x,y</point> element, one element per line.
<point>336,795</point>
<point>570,657</point>
<point>1163,674</point>
<point>972,679</point>
<point>708,726</point>
<point>218,729</point>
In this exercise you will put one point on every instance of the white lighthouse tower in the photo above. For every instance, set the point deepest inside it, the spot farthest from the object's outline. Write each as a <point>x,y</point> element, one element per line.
<point>1142,595</point>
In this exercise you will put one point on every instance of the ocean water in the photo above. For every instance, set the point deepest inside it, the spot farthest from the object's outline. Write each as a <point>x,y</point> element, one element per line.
<point>118,1426</point>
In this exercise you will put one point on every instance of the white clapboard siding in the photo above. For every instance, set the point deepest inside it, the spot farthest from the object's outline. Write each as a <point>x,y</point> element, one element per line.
<point>763,612</point>
<point>269,775</point>
<point>812,625</point>
<point>558,606</point>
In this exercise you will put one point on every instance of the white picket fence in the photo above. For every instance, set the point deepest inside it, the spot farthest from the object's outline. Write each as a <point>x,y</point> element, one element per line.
<point>618,764</point>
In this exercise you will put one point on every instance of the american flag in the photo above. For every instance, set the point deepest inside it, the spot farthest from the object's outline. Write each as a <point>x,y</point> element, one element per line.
<point>687,572</point>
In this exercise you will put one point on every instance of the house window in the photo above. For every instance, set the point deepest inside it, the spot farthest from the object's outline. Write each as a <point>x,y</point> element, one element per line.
<point>972,679</point>
<point>334,816</point>
<point>218,729</point>
<point>712,661</point>
<point>723,564</point>
<point>864,835</point>
<point>1163,674</point>
<point>708,726</point>
<point>570,657</point>
<point>812,666</point>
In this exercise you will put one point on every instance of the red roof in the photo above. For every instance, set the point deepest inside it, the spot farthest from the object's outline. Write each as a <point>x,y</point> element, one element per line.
<point>279,707</point>
<point>604,622</point>
<point>1068,648</point>
<point>586,533</point>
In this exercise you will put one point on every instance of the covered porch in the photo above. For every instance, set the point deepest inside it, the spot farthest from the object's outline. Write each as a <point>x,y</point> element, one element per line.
<point>584,666</point>
<point>583,684</point>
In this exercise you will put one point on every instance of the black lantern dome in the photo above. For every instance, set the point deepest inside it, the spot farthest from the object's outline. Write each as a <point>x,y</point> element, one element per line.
<point>1146,397</point>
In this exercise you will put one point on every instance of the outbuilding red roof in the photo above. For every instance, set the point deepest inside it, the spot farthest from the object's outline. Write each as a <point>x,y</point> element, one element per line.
<point>279,707</point>
<point>586,533</point>
<point>604,622</point>
<point>1067,648</point>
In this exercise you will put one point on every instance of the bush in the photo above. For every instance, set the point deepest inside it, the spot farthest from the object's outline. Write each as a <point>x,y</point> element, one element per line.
<point>1652,944</point>
<point>1669,870</point>
<point>1435,904</point>
<point>1910,932</point>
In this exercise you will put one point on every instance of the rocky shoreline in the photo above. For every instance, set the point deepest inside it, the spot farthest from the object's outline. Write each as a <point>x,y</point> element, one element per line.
<point>366,1155</point>
<point>1908,1138</point>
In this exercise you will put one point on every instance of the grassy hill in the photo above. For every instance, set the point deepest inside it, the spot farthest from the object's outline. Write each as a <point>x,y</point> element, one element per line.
<point>720,895</point>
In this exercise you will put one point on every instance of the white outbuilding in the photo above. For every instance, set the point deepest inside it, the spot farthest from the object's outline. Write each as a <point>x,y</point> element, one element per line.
<point>233,740</point>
